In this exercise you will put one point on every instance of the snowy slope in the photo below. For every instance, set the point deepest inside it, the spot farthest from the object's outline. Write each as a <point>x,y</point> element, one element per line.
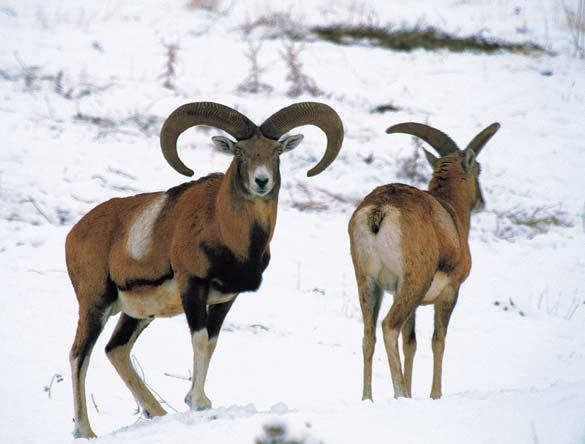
<point>292,351</point>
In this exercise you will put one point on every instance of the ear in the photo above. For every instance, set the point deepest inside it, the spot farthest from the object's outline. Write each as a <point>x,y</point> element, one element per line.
<point>223,144</point>
<point>291,142</point>
<point>431,158</point>
<point>468,159</point>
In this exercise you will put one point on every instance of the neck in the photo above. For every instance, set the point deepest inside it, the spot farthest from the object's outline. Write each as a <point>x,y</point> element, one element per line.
<point>448,190</point>
<point>238,212</point>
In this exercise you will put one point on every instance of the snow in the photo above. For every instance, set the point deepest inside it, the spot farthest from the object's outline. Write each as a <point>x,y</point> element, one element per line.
<point>291,353</point>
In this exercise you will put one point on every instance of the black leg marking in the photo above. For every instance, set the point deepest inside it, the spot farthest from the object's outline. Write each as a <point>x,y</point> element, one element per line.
<point>216,316</point>
<point>126,328</point>
<point>94,325</point>
<point>194,299</point>
<point>93,321</point>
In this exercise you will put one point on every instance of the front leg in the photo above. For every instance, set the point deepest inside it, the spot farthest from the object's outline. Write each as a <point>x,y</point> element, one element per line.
<point>216,316</point>
<point>194,299</point>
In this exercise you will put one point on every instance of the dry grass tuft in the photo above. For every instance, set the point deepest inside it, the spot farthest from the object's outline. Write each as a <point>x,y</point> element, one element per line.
<point>413,168</point>
<point>169,72</point>
<point>419,37</point>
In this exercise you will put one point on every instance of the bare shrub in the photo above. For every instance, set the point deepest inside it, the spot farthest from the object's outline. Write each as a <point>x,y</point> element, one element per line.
<point>529,222</point>
<point>252,83</point>
<point>412,168</point>
<point>169,72</point>
<point>277,23</point>
<point>361,13</point>
<point>559,305</point>
<point>576,23</point>
<point>147,124</point>
<point>299,81</point>
<point>34,79</point>
<point>308,203</point>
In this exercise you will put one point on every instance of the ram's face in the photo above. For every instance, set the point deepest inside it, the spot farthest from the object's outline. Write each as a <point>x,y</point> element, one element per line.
<point>258,161</point>
<point>258,164</point>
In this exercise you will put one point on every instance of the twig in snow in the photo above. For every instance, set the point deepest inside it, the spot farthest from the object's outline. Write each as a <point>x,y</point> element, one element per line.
<point>137,410</point>
<point>94,404</point>
<point>40,210</point>
<point>534,436</point>
<point>184,378</point>
<point>56,378</point>
<point>139,367</point>
<point>121,173</point>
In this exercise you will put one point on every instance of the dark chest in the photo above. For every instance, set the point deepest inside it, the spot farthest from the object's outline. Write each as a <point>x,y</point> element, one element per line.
<point>232,274</point>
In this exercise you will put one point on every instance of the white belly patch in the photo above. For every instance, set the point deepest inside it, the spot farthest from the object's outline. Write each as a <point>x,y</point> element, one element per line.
<point>140,233</point>
<point>146,302</point>
<point>162,301</point>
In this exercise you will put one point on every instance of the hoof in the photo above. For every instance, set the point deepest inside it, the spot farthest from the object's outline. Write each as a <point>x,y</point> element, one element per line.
<point>202,403</point>
<point>147,414</point>
<point>88,434</point>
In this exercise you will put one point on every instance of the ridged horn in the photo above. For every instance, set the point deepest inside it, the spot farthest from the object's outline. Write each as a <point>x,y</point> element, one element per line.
<point>201,113</point>
<point>440,141</point>
<point>308,113</point>
<point>479,141</point>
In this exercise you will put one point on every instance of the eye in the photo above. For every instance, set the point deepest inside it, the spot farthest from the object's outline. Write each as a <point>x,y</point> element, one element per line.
<point>239,153</point>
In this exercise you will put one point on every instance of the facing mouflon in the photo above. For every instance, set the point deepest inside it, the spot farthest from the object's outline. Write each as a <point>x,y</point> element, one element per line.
<point>190,249</point>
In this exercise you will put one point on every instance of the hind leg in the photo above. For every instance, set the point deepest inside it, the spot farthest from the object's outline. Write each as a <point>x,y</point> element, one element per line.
<point>118,351</point>
<point>409,349</point>
<point>90,325</point>
<point>443,310</point>
<point>406,300</point>
<point>370,295</point>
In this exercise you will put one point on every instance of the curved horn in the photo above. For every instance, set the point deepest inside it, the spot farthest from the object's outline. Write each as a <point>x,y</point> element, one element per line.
<point>479,141</point>
<point>308,113</point>
<point>201,113</point>
<point>440,141</point>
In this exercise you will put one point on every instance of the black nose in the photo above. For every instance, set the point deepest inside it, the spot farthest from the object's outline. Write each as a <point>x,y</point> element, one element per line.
<point>261,182</point>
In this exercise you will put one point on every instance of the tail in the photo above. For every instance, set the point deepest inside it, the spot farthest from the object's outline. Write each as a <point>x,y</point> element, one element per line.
<point>375,219</point>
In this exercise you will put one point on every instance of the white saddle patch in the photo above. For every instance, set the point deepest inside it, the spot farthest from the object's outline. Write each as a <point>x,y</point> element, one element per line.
<point>140,234</point>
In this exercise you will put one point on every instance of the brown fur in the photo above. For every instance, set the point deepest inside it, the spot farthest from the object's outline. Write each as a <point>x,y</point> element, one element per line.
<point>417,249</point>
<point>98,261</point>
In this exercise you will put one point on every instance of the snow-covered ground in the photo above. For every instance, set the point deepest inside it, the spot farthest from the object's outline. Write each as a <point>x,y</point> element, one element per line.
<point>514,371</point>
